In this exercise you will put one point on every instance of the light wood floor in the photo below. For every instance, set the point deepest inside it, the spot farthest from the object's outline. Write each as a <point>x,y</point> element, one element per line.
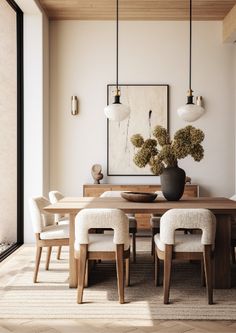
<point>105,326</point>
<point>109,326</point>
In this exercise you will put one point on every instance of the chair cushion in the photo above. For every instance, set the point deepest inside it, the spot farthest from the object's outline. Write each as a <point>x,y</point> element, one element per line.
<point>55,232</point>
<point>99,242</point>
<point>63,221</point>
<point>183,243</point>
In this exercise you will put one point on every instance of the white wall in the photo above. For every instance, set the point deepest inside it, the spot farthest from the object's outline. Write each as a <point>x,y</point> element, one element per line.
<point>82,62</point>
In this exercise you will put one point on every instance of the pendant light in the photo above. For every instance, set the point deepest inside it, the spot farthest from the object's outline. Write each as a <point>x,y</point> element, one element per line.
<point>190,112</point>
<point>117,111</point>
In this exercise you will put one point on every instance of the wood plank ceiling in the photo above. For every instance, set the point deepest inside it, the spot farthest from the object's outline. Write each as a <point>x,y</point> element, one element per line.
<point>136,9</point>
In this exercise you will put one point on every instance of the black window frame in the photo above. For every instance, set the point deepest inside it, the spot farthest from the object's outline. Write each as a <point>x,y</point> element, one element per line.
<point>20,131</point>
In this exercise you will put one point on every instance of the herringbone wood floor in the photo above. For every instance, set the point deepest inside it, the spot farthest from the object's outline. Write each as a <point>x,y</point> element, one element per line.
<point>109,326</point>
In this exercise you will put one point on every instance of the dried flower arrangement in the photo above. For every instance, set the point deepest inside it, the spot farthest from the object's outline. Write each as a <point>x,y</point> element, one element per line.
<point>187,141</point>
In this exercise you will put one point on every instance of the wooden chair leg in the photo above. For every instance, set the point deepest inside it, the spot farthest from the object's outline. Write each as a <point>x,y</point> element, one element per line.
<point>127,272</point>
<point>207,254</point>
<point>157,269</point>
<point>134,246</point>
<point>37,262</point>
<point>233,254</point>
<point>81,271</point>
<point>49,251</point>
<point>59,252</point>
<point>120,271</point>
<point>167,272</point>
<point>154,232</point>
<point>203,280</point>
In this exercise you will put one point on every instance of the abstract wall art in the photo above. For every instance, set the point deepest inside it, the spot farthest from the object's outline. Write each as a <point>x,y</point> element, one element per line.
<point>149,106</point>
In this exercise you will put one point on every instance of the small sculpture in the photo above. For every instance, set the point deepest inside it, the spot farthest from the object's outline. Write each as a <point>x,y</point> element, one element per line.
<point>96,172</point>
<point>187,180</point>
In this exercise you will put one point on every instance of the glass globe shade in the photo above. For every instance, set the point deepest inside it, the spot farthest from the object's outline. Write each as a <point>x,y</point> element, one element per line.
<point>117,111</point>
<point>190,112</point>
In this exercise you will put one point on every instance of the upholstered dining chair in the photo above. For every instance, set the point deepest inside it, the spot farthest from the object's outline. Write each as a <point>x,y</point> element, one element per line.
<point>101,246</point>
<point>47,232</point>
<point>169,245</point>
<point>233,233</point>
<point>132,221</point>
<point>54,197</point>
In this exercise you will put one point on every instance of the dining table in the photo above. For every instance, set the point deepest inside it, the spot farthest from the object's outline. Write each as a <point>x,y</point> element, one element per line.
<point>222,208</point>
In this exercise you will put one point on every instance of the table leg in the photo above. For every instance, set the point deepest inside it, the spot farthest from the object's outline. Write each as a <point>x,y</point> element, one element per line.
<point>222,268</point>
<point>73,273</point>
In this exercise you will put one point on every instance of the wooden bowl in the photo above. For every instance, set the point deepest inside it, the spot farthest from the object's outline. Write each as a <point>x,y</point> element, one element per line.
<point>139,196</point>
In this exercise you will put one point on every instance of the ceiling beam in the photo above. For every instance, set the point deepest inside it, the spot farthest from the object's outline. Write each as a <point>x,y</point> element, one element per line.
<point>229,26</point>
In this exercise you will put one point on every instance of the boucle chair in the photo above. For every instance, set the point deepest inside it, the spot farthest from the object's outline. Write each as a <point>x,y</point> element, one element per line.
<point>132,221</point>
<point>233,233</point>
<point>170,245</point>
<point>99,246</point>
<point>54,197</point>
<point>47,233</point>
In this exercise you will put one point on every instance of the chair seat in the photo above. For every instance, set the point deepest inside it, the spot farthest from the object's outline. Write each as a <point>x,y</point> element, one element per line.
<point>63,221</point>
<point>183,243</point>
<point>55,232</point>
<point>100,243</point>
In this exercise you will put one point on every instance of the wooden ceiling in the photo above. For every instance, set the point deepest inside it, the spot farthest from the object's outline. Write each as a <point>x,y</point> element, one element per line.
<point>136,9</point>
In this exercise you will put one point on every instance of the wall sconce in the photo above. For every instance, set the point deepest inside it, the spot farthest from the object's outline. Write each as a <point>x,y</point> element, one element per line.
<point>74,105</point>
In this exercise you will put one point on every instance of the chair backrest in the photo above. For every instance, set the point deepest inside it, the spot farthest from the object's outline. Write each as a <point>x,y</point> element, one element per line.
<point>54,197</point>
<point>111,194</point>
<point>202,219</point>
<point>39,217</point>
<point>102,218</point>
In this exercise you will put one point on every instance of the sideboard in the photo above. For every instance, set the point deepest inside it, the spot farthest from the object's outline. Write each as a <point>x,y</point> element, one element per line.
<point>95,190</point>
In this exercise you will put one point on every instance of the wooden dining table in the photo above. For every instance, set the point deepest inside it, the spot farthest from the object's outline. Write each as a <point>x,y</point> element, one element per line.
<point>223,209</point>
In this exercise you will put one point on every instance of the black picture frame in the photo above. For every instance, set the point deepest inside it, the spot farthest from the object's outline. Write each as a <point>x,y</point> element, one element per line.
<point>108,122</point>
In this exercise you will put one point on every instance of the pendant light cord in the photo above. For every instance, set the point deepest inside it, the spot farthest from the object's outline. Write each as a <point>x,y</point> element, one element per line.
<point>117,38</point>
<point>190,44</point>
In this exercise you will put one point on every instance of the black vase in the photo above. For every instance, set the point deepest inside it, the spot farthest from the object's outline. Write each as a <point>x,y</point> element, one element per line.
<point>172,183</point>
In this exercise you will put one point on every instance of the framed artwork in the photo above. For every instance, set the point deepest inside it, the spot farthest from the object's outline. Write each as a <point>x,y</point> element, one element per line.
<point>149,106</point>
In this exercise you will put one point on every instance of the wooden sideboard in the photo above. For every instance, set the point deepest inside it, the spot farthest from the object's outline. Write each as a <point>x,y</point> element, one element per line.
<point>95,190</point>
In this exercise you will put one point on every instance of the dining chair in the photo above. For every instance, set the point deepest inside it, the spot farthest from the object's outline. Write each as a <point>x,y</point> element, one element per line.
<point>54,197</point>
<point>131,217</point>
<point>102,246</point>
<point>233,233</point>
<point>169,245</point>
<point>47,232</point>
<point>155,223</point>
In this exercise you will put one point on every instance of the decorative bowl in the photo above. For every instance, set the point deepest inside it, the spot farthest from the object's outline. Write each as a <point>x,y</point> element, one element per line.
<point>139,196</point>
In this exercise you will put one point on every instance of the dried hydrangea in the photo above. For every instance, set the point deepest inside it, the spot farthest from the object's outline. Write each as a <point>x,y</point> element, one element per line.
<point>161,134</point>
<point>142,157</point>
<point>183,135</point>
<point>197,136</point>
<point>167,156</point>
<point>137,140</point>
<point>157,168</point>
<point>181,150</point>
<point>197,153</point>
<point>187,141</point>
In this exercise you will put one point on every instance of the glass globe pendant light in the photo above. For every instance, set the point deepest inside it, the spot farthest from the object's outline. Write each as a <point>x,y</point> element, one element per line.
<point>190,112</point>
<point>117,111</point>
